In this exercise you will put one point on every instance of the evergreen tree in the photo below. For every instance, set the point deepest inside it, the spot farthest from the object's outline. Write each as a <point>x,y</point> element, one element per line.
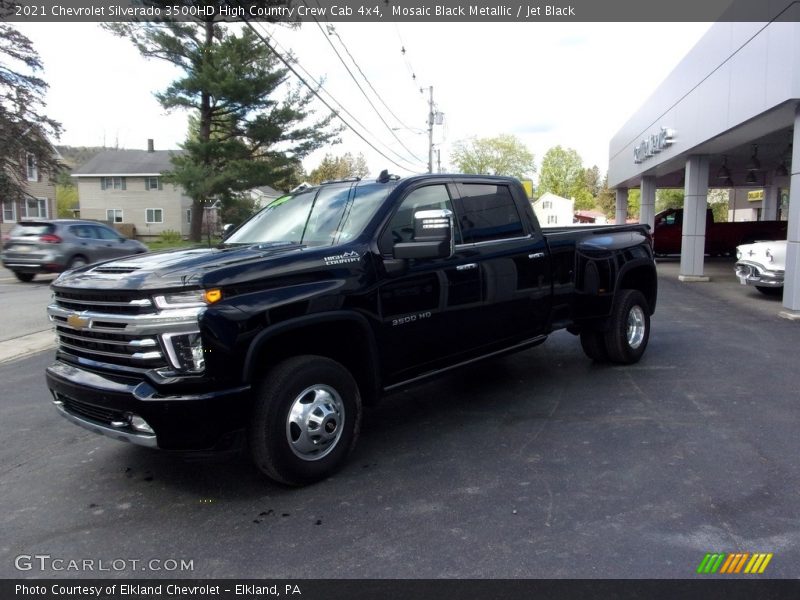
<point>252,128</point>
<point>24,129</point>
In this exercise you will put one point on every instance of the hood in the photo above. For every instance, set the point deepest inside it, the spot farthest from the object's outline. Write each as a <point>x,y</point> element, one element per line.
<point>170,269</point>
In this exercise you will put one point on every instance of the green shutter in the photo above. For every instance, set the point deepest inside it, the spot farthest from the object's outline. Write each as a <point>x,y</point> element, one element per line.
<point>102,183</point>
<point>123,182</point>
<point>159,184</point>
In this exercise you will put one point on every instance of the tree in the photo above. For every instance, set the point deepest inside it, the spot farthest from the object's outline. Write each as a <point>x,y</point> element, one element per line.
<point>252,127</point>
<point>668,198</point>
<point>563,175</point>
<point>501,155</point>
<point>24,129</point>
<point>66,195</point>
<point>634,203</point>
<point>339,167</point>
<point>719,202</point>
<point>591,179</point>
<point>606,199</point>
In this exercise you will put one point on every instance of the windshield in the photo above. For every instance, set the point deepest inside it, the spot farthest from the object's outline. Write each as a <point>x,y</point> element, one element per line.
<point>324,216</point>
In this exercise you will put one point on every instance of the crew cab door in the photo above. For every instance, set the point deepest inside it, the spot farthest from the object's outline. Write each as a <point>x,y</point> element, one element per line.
<point>418,297</point>
<point>512,256</point>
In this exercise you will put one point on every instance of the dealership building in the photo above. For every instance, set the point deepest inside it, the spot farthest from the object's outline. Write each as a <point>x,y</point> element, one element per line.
<point>728,116</point>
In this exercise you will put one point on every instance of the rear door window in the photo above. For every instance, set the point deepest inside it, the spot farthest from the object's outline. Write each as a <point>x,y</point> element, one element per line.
<point>487,212</point>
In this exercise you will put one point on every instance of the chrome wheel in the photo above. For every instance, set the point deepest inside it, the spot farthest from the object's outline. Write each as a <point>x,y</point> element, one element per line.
<point>636,326</point>
<point>315,422</point>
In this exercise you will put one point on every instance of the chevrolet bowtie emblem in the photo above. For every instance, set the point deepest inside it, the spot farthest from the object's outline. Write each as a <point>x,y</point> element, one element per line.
<point>78,322</point>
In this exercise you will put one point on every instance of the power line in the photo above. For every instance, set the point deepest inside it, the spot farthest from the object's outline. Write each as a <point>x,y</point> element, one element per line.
<point>355,62</point>
<point>361,89</point>
<point>314,91</point>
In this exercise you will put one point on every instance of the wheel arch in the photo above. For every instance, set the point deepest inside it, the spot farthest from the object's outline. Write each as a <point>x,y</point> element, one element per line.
<point>640,275</point>
<point>343,336</point>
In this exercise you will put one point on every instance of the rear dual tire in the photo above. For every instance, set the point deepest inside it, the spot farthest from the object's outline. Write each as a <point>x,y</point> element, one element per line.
<point>627,332</point>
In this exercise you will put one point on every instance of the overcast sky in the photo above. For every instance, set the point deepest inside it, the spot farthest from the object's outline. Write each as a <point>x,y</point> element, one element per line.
<point>549,84</point>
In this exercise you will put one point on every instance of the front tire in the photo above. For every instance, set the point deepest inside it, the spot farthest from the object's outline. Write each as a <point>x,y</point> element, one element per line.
<point>306,420</point>
<point>770,291</point>
<point>629,328</point>
<point>77,261</point>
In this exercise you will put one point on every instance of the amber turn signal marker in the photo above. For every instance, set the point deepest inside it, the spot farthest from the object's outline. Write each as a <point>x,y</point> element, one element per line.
<point>212,296</point>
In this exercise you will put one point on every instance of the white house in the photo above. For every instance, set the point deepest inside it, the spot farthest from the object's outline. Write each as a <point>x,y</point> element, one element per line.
<point>553,211</point>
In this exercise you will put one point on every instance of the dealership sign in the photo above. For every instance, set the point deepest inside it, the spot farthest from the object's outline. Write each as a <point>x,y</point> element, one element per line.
<point>652,145</point>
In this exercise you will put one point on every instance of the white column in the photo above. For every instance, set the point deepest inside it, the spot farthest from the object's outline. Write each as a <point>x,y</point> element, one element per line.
<point>769,210</point>
<point>622,206</point>
<point>647,209</point>
<point>791,287</point>
<point>695,203</point>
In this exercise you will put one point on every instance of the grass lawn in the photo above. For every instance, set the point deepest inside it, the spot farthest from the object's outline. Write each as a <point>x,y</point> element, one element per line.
<point>158,245</point>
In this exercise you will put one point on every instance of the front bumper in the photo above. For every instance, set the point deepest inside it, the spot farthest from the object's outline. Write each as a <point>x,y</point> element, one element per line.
<point>750,273</point>
<point>181,421</point>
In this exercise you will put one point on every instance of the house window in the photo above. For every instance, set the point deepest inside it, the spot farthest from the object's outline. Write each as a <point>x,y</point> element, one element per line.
<point>154,215</point>
<point>9,212</point>
<point>114,215</point>
<point>551,219</point>
<point>32,168</point>
<point>189,216</point>
<point>36,208</point>
<point>152,183</point>
<point>112,183</point>
<point>547,204</point>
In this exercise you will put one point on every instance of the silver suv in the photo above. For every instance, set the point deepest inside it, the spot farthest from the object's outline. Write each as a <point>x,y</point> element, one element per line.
<point>60,244</point>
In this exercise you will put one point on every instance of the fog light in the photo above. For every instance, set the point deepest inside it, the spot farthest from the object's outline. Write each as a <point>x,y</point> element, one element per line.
<point>185,351</point>
<point>139,424</point>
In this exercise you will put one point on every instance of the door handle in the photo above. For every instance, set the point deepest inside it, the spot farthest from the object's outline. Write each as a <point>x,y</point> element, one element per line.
<point>466,267</point>
<point>536,255</point>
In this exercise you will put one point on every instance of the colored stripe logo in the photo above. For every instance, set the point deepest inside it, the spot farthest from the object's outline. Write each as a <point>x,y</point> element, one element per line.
<point>734,563</point>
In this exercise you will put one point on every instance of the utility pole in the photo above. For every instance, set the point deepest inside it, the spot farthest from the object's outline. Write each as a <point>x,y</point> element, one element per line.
<point>438,160</point>
<point>430,130</point>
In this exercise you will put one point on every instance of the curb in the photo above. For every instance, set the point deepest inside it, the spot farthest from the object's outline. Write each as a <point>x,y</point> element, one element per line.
<point>26,345</point>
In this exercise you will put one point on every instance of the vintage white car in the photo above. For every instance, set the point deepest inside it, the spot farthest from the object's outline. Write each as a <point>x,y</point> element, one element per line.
<point>762,264</point>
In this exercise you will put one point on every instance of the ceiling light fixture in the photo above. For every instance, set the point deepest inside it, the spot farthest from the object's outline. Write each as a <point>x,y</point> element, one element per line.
<point>724,172</point>
<point>754,164</point>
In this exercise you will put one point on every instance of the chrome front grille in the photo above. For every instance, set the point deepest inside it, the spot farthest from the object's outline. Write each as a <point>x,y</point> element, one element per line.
<point>117,331</point>
<point>110,304</point>
<point>116,348</point>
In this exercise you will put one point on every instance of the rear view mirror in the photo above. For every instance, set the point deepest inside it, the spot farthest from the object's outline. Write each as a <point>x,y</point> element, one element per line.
<point>433,236</point>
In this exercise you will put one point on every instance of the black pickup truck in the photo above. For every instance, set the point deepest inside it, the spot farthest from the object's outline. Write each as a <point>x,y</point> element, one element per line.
<point>327,298</point>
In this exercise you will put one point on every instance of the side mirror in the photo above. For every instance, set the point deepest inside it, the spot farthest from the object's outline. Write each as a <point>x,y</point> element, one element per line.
<point>227,229</point>
<point>433,236</point>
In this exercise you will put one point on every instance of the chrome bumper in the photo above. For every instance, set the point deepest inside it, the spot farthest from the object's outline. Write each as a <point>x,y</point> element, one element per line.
<point>140,439</point>
<point>749,273</point>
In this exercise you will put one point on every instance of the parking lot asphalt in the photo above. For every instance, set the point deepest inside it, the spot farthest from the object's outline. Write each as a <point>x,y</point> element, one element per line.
<point>537,465</point>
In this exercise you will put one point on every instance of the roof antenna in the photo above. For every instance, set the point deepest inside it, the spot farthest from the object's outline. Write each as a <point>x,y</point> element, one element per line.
<point>384,176</point>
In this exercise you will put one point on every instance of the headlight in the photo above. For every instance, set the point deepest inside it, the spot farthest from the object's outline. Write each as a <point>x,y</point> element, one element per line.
<point>192,299</point>
<point>185,351</point>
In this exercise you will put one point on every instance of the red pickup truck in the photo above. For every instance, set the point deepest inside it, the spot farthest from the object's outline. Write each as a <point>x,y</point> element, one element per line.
<point>721,238</point>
